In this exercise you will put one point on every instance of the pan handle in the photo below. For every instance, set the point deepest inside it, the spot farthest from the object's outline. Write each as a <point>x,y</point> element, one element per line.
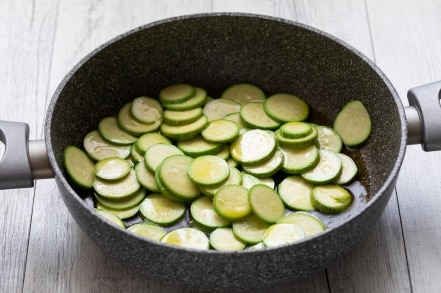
<point>424,116</point>
<point>22,160</point>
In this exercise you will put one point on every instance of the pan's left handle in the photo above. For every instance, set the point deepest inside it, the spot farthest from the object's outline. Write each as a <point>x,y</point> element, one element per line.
<point>424,116</point>
<point>23,160</point>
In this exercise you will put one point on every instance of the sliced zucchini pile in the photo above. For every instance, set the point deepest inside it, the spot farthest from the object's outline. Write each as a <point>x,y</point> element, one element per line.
<point>243,171</point>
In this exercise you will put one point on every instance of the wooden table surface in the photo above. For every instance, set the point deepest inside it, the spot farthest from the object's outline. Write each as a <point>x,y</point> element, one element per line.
<point>43,250</point>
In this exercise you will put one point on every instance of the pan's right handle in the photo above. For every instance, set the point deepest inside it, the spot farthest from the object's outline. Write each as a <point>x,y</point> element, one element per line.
<point>22,160</point>
<point>424,116</point>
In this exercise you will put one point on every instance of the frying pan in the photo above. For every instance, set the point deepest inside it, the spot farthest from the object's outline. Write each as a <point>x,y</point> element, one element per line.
<point>214,51</point>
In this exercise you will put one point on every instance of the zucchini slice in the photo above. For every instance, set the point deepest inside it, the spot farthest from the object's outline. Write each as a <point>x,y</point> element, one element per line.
<point>112,168</point>
<point>186,131</point>
<point>266,203</point>
<point>198,100</point>
<point>353,123</point>
<point>157,153</point>
<point>130,124</point>
<point>147,140</point>
<point>296,193</point>
<point>208,170</point>
<point>110,217</point>
<point>110,131</point>
<point>79,167</point>
<point>177,118</point>
<point>146,110</point>
<point>160,210</point>
<point>327,170</point>
<point>244,93</point>
<point>176,93</point>
<point>174,177</point>
<point>203,213</point>
<point>267,168</point>
<point>224,239</point>
<point>128,203</point>
<point>121,189</point>
<point>198,146</point>
<point>231,202</point>
<point>250,229</point>
<point>221,131</point>
<point>187,237</point>
<point>349,169</point>
<point>298,160</point>
<point>295,129</point>
<point>286,107</point>
<point>145,177</point>
<point>331,198</point>
<point>147,230</point>
<point>282,234</point>
<point>218,108</point>
<point>98,148</point>
<point>255,117</point>
<point>329,139</point>
<point>299,142</point>
<point>310,224</point>
<point>235,177</point>
<point>122,214</point>
<point>253,147</point>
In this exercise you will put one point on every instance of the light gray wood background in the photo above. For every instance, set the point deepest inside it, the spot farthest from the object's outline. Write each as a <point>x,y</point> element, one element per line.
<point>43,250</point>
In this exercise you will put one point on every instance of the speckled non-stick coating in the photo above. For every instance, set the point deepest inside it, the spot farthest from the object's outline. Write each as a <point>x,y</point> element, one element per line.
<point>215,51</point>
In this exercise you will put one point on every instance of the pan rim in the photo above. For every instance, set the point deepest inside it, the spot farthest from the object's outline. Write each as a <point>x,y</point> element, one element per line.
<point>374,198</point>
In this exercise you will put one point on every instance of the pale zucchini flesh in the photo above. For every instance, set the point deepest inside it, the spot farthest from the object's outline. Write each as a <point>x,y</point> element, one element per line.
<point>161,210</point>
<point>250,230</point>
<point>296,193</point>
<point>266,203</point>
<point>118,189</point>
<point>353,123</point>
<point>244,93</point>
<point>110,131</point>
<point>176,93</point>
<point>231,202</point>
<point>310,223</point>
<point>218,108</point>
<point>223,239</point>
<point>112,168</point>
<point>253,147</point>
<point>128,122</point>
<point>284,108</point>
<point>202,211</point>
<point>146,110</point>
<point>147,230</point>
<point>282,234</point>
<point>187,237</point>
<point>198,100</point>
<point>255,117</point>
<point>331,198</point>
<point>299,160</point>
<point>79,167</point>
<point>221,131</point>
<point>157,153</point>
<point>174,176</point>
<point>327,170</point>
<point>198,146</point>
<point>208,170</point>
<point>98,148</point>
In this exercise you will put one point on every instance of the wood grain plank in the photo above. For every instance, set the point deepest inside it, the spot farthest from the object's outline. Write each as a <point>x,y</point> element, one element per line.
<point>408,42</point>
<point>25,46</point>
